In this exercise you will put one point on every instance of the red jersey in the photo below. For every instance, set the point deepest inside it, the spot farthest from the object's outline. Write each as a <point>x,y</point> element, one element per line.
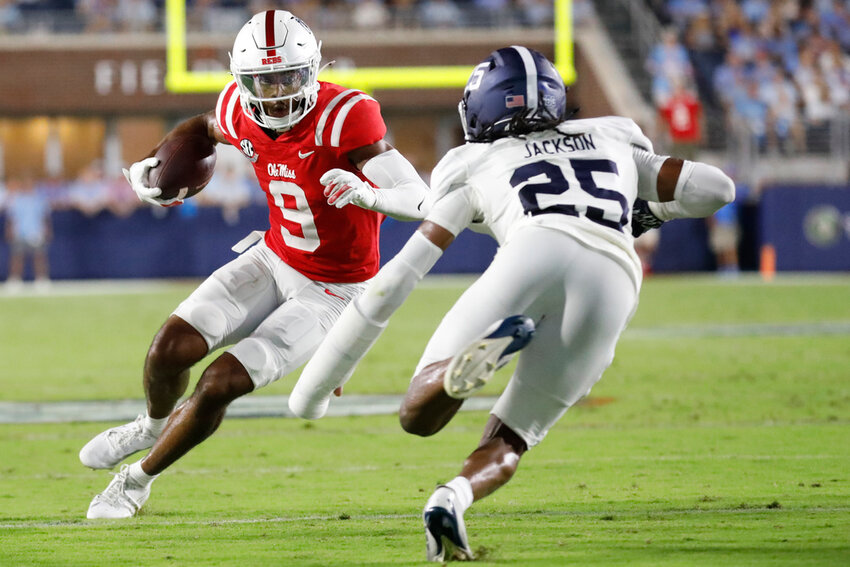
<point>682,116</point>
<point>320,241</point>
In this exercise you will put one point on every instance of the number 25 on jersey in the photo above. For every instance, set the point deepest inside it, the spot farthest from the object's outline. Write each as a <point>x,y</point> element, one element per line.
<point>602,206</point>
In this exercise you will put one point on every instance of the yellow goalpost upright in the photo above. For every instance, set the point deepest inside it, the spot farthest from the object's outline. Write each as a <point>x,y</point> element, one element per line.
<point>179,79</point>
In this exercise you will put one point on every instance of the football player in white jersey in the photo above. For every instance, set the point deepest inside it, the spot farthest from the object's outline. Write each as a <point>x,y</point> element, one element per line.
<point>558,196</point>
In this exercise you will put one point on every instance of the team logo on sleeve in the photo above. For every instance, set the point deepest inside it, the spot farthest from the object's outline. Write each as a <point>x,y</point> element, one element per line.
<point>248,149</point>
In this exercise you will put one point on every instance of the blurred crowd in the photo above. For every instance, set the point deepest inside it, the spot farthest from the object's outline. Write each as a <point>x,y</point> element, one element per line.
<point>94,191</point>
<point>782,67</point>
<point>26,205</point>
<point>27,16</point>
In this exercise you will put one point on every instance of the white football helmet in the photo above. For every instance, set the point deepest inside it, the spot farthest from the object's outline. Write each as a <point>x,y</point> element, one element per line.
<point>275,62</point>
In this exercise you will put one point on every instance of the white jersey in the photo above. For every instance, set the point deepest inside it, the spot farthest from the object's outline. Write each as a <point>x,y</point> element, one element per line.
<point>580,178</point>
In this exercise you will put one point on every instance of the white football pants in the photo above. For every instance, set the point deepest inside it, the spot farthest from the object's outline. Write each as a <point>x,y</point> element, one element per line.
<point>580,300</point>
<point>273,315</point>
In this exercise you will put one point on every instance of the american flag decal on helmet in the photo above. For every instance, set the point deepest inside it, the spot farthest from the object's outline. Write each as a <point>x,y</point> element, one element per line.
<point>513,101</point>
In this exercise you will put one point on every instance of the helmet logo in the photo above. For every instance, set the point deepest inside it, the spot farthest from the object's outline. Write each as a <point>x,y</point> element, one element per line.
<point>272,60</point>
<point>514,101</point>
<point>477,76</point>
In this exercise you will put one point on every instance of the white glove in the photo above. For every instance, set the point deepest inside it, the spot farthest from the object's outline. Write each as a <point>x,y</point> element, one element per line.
<point>343,187</point>
<point>137,176</point>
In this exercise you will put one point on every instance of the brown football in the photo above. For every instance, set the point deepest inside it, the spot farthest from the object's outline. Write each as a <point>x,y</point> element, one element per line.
<point>186,164</point>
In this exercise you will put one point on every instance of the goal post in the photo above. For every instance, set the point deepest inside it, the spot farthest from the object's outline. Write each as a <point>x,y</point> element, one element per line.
<point>179,79</point>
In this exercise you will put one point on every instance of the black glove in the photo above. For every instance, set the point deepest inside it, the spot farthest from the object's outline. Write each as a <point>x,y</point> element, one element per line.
<point>643,218</point>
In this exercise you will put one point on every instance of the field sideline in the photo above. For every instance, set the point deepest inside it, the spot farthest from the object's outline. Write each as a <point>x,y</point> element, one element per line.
<point>720,435</point>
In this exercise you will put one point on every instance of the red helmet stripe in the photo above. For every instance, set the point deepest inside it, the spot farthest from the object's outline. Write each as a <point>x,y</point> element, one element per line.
<point>270,39</point>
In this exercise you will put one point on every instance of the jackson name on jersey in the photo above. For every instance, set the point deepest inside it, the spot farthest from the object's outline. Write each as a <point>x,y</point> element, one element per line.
<point>320,241</point>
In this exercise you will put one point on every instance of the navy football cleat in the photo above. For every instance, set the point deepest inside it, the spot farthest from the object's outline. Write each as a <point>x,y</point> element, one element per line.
<point>445,533</point>
<point>473,367</point>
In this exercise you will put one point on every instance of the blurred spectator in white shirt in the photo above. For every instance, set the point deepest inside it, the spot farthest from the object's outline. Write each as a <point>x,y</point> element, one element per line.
<point>27,231</point>
<point>89,192</point>
<point>814,89</point>
<point>668,63</point>
<point>835,65</point>
<point>786,131</point>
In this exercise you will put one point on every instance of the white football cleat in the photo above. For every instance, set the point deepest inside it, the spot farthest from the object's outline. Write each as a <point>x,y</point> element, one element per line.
<point>445,532</point>
<point>473,367</point>
<point>114,445</point>
<point>121,499</point>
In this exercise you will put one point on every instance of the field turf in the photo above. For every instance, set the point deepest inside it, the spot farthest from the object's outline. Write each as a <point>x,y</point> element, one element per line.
<point>720,436</point>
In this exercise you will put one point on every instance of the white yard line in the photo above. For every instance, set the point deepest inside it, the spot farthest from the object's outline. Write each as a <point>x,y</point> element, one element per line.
<point>248,406</point>
<point>277,406</point>
<point>701,331</point>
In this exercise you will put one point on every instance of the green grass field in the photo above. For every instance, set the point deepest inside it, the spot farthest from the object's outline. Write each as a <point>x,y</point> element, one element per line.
<point>719,436</point>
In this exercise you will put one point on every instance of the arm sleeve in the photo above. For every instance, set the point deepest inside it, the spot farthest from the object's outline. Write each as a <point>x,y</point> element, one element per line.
<point>400,192</point>
<point>701,191</point>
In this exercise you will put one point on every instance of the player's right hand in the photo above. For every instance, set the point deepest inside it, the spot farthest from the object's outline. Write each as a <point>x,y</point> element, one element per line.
<point>137,177</point>
<point>343,187</point>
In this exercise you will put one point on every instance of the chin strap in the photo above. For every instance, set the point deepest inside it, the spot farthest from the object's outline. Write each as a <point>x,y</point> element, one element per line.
<point>325,66</point>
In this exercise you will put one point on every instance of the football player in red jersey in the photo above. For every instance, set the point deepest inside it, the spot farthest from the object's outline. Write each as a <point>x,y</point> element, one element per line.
<point>319,153</point>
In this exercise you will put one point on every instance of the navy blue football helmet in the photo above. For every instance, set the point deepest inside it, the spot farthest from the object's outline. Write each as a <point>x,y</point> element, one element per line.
<point>514,91</point>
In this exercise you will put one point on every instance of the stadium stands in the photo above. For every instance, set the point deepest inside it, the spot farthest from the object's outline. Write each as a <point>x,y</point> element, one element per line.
<point>772,79</point>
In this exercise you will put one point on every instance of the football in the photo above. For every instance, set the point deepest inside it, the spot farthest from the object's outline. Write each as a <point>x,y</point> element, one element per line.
<point>186,164</point>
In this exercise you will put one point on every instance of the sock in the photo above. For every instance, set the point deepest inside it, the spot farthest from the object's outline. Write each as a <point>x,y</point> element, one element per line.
<point>463,490</point>
<point>155,426</point>
<point>139,475</point>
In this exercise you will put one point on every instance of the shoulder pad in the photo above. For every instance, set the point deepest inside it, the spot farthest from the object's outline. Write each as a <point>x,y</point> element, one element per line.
<point>619,127</point>
<point>630,130</point>
<point>228,102</point>
<point>337,123</point>
<point>449,174</point>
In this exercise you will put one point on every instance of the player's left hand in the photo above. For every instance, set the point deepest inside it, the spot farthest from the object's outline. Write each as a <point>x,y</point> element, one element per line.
<point>643,218</point>
<point>343,187</point>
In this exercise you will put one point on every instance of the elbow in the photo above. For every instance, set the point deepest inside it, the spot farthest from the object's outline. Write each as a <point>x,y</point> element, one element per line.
<point>727,191</point>
<point>716,188</point>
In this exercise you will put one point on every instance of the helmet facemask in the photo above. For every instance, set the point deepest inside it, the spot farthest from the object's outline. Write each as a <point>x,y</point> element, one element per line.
<point>278,97</point>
